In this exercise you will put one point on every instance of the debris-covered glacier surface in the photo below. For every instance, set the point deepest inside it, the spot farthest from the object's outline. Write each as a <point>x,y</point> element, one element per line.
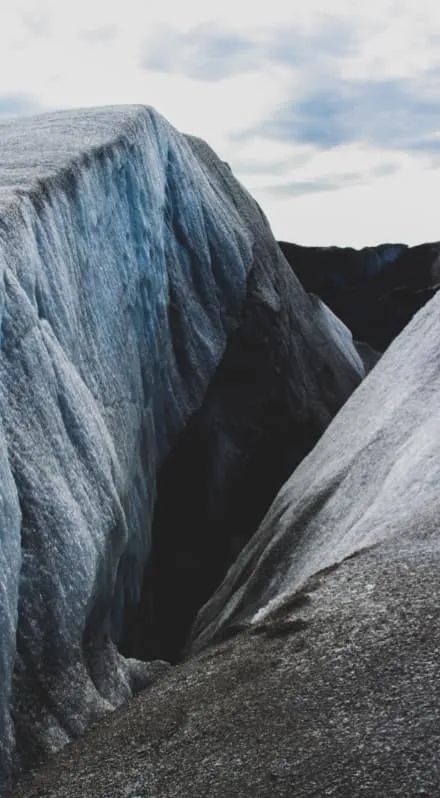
<point>125,253</point>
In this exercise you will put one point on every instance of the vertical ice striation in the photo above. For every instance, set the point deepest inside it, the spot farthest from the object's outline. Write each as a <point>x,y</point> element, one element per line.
<point>130,257</point>
<point>115,249</point>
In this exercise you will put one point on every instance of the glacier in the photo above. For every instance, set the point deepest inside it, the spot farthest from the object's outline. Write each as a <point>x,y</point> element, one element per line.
<point>127,254</point>
<point>313,670</point>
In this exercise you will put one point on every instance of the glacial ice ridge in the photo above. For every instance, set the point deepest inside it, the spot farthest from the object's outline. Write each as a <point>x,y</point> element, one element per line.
<point>106,218</point>
<point>125,253</point>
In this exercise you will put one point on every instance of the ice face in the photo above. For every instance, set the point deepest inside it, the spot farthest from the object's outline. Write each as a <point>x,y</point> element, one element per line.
<point>126,255</point>
<point>114,244</point>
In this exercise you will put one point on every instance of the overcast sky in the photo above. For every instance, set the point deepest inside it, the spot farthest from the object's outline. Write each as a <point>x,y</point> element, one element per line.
<point>332,121</point>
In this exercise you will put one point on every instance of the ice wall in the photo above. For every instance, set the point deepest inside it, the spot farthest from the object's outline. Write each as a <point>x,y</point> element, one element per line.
<point>324,680</point>
<point>125,256</point>
<point>96,287</point>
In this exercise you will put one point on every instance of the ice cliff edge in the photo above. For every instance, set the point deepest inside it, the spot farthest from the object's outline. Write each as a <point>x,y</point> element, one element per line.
<point>126,251</point>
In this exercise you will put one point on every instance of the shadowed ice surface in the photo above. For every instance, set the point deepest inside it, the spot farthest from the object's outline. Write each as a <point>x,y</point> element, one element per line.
<point>321,677</point>
<point>112,226</point>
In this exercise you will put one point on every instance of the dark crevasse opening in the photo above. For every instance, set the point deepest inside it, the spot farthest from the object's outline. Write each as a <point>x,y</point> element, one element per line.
<point>212,493</point>
<point>199,528</point>
<point>280,382</point>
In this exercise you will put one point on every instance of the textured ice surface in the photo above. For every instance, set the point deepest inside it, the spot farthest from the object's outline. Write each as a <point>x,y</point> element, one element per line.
<point>125,254</point>
<point>341,334</point>
<point>333,688</point>
<point>110,230</point>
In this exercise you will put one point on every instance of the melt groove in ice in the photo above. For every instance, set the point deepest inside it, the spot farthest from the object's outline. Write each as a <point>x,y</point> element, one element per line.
<point>117,252</point>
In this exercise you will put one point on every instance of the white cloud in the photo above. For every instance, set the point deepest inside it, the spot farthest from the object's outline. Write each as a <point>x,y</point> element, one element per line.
<point>398,208</point>
<point>228,67</point>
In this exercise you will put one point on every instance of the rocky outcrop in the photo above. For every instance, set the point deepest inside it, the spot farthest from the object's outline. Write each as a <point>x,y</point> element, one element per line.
<point>313,670</point>
<point>375,290</point>
<point>141,292</point>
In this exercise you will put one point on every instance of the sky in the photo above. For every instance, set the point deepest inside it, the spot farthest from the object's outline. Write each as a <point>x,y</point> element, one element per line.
<point>330,120</point>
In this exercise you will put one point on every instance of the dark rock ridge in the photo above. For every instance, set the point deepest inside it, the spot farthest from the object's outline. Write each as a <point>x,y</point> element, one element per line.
<point>321,673</point>
<point>140,285</point>
<point>375,290</point>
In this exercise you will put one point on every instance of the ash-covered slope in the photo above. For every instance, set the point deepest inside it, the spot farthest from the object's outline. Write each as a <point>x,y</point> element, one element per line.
<point>128,257</point>
<point>375,290</point>
<point>324,678</point>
